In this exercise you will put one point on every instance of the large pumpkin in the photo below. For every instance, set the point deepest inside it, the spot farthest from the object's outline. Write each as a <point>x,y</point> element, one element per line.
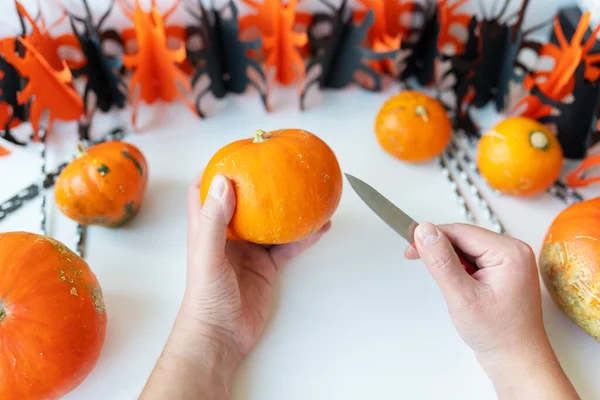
<point>287,183</point>
<point>104,185</point>
<point>570,264</point>
<point>52,318</point>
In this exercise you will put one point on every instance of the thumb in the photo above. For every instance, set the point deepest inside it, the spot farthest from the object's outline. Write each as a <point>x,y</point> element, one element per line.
<point>440,258</point>
<point>215,215</point>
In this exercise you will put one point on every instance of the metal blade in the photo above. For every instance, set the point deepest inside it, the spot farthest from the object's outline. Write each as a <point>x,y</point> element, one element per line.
<point>387,211</point>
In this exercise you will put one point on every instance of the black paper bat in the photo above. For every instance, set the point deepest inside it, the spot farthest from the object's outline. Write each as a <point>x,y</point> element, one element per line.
<point>223,57</point>
<point>101,71</point>
<point>575,121</point>
<point>340,53</point>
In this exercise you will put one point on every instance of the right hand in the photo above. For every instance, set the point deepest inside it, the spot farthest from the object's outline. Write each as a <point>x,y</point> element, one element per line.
<point>497,310</point>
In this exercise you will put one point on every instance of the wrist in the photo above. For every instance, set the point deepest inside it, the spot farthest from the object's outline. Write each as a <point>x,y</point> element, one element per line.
<point>528,371</point>
<point>206,351</point>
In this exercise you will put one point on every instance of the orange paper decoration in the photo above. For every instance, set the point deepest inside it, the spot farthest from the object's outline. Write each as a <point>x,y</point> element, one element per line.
<point>282,45</point>
<point>559,83</point>
<point>155,66</point>
<point>448,18</point>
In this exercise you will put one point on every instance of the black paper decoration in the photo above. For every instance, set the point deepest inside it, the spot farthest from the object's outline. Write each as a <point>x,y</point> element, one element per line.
<point>223,57</point>
<point>340,54</point>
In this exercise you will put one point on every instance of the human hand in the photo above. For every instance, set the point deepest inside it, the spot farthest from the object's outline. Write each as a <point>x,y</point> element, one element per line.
<point>497,310</point>
<point>226,301</point>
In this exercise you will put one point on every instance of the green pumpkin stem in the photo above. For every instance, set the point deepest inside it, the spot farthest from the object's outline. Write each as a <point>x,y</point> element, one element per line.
<point>81,149</point>
<point>421,111</point>
<point>260,136</point>
<point>2,313</point>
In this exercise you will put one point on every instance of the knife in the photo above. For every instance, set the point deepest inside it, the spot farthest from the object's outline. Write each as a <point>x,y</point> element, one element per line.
<point>395,217</point>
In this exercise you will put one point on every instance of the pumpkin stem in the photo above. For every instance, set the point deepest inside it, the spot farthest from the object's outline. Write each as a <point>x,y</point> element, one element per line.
<point>81,149</point>
<point>539,140</point>
<point>421,111</point>
<point>2,313</point>
<point>260,136</point>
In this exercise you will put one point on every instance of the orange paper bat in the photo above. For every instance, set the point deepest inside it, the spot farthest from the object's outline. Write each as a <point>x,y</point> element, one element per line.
<point>282,45</point>
<point>155,65</point>
<point>48,88</point>
<point>559,83</point>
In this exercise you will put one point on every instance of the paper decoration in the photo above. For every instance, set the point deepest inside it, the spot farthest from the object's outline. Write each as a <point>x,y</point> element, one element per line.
<point>104,88</point>
<point>283,47</point>
<point>223,57</point>
<point>566,97</point>
<point>340,54</point>
<point>49,81</point>
<point>155,67</point>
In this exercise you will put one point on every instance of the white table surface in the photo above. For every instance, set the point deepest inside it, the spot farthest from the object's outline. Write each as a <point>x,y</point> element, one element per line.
<point>351,318</point>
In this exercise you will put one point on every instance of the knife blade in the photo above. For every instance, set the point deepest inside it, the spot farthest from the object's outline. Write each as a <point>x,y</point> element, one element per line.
<point>393,216</point>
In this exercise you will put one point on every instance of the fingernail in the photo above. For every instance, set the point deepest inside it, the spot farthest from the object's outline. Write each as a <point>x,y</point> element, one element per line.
<point>426,234</point>
<point>217,187</point>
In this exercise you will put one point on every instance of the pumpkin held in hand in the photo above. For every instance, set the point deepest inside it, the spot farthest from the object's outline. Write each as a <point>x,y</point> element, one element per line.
<point>52,318</point>
<point>287,183</point>
<point>570,264</point>
<point>104,185</point>
<point>519,157</point>
<point>413,127</point>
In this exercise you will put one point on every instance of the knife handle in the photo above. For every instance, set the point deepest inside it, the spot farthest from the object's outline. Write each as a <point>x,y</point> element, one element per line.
<point>469,267</point>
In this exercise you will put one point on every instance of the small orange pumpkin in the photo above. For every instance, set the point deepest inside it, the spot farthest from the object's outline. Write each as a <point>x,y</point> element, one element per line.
<point>104,185</point>
<point>52,318</point>
<point>413,127</point>
<point>519,157</point>
<point>287,183</point>
<point>570,264</point>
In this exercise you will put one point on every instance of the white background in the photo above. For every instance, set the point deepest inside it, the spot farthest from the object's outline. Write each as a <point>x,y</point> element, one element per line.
<point>351,318</point>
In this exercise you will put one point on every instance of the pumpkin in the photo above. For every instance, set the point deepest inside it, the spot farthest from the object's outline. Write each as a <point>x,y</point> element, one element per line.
<point>104,185</point>
<point>287,184</point>
<point>52,318</point>
<point>413,127</point>
<point>570,264</point>
<point>519,157</point>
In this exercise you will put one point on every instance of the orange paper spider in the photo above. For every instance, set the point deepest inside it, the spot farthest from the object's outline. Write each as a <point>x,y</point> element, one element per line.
<point>387,32</point>
<point>559,83</point>
<point>282,45</point>
<point>449,18</point>
<point>41,39</point>
<point>155,66</point>
<point>48,88</point>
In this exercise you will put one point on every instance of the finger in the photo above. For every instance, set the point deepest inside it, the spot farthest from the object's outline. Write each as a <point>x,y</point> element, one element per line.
<point>214,216</point>
<point>438,255</point>
<point>488,248</point>
<point>193,207</point>
<point>284,253</point>
<point>411,253</point>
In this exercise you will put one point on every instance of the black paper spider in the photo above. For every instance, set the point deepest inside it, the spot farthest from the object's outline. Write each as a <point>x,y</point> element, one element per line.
<point>340,53</point>
<point>101,71</point>
<point>571,119</point>
<point>223,57</point>
<point>10,84</point>
<point>484,70</point>
<point>423,50</point>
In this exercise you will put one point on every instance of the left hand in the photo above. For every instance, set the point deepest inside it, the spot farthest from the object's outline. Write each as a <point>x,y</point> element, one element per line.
<point>226,301</point>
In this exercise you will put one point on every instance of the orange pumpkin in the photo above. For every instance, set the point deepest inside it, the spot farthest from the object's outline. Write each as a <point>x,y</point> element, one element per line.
<point>52,318</point>
<point>570,264</point>
<point>519,157</point>
<point>287,183</point>
<point>104,185</point>
<point>413,127</point>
